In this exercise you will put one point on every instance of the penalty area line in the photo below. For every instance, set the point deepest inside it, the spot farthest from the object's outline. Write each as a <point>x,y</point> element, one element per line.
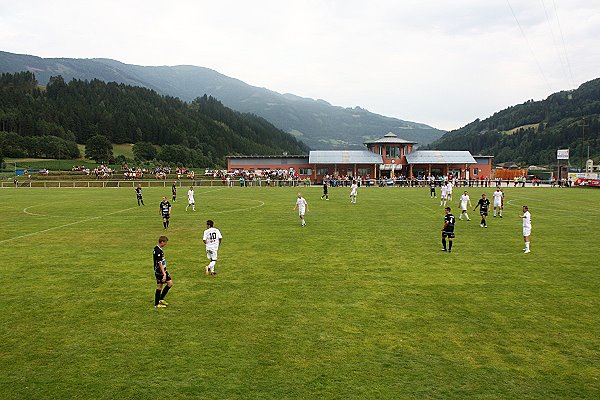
<point>64,226</point>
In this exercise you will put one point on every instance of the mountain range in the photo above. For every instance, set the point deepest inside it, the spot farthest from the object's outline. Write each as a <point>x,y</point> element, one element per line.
<point>317,123</point>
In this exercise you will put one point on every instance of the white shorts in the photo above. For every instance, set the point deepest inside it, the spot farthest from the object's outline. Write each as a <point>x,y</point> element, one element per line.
<point>497,204</point>
<point>463,207</point>
<point>212,254</point>
<point>526,231</point>
<point>191,201</point>
<point>301,211</point>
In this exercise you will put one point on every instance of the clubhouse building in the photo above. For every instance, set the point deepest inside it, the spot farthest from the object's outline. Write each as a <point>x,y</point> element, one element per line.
<point>386,157</point>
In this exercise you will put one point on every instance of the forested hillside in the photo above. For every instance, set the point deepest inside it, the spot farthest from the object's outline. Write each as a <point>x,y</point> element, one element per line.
<point>316,122</point>
<point>199,133</point>
<point>530,133</point>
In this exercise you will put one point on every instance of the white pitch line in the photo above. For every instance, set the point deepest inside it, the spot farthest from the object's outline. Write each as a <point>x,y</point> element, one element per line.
<point>557,210</point>
<point>38,215</point>
<point>419,204</point>
<point>64,226</point>
<point>587,211</point>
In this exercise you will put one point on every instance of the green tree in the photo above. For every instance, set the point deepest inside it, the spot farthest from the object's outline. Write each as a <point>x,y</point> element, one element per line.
<point>144,151</point>
<point>174,154</point>
<point>99,149</point>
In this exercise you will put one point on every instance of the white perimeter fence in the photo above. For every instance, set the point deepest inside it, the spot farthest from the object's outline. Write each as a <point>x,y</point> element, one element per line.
<point>100,183</point>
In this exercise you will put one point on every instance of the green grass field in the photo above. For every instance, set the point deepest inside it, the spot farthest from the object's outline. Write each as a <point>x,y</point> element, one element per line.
<point>359,304</point>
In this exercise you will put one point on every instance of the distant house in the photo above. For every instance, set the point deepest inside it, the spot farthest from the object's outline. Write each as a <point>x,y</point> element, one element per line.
<point>389,156</point>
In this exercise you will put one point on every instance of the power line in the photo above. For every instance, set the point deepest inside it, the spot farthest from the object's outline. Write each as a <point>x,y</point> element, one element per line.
<point>562,63</point>
<point>562,36</point>
<point>529,45</point>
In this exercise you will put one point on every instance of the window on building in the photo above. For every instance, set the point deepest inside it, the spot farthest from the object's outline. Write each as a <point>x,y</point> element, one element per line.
<point>322,171</point>
<point>364,171</point>
<point>305,171</point>
<point>475,171</point>
<point>392,151</point>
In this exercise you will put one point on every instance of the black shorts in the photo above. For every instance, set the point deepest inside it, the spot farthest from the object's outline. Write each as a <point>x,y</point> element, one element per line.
<point>447,234</point>
<point>483,213</point>
<point>159,278</point>
<point>166,216</point>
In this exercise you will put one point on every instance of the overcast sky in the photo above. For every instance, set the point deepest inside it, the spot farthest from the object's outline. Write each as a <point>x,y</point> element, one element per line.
<point>439,62</point>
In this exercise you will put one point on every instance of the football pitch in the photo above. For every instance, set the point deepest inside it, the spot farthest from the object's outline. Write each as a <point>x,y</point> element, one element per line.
<point>359,304</point>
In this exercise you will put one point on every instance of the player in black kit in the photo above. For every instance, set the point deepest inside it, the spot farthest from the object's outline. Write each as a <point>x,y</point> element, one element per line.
<point>161,274</point>
<point>138,193</point>
<point>484,205</point>
<point>325,195</point>
<point>174,192</point>
<point>448,230</point>
<point>165,211</point>
<point>432,189</point>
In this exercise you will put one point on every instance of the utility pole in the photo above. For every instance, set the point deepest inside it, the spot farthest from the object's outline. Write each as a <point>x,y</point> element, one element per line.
<point>583,125</point>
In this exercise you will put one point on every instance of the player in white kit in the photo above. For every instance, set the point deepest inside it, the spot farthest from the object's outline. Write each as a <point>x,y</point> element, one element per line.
<point>191,199</point>
<point>464,200</point>
<point>353,189</point>
<point>449,187</point>
<point>212,238</point>
<point>498,197</point>
<point>302,207</point>
<point>444,195</point>
<point>526,228</point>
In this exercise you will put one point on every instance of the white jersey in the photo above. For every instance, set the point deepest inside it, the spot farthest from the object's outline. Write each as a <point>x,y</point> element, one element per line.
<point>444,191</point>
<point>301,203</point>
<point>464,200</point>
<point>353,189</point>
<point>212,237</point>
<point>449,188</point>
<point>526,220</point>
<point>191,196</point>
<point>498,195</point>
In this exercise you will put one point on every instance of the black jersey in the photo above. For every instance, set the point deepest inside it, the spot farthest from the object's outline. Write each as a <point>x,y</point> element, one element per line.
<point>449,220</point>
<point>159,256</point>
<point>325,187</point>
<point>483,205</point>
<point>165,208</point>
<point>138,192</point>
<point>174,190</point>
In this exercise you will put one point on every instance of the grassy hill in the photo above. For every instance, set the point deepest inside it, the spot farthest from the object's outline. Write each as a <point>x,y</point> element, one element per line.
<point>124,149</point>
